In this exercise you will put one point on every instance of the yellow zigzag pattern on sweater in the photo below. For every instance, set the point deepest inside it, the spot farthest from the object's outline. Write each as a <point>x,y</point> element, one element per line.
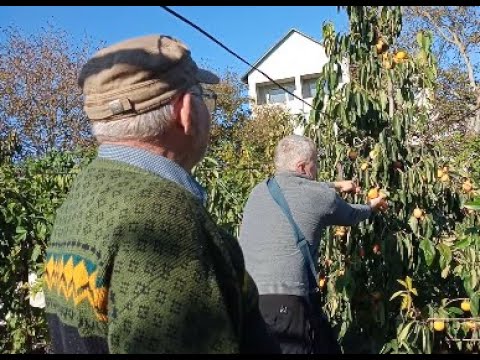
<point>76,283</point>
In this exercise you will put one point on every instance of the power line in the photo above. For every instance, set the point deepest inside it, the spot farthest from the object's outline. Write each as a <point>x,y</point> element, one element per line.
<point>211,37</point>
<point>174,13</point>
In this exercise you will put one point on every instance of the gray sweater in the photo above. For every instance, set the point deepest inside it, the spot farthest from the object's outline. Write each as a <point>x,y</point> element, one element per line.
<point>271,255</point>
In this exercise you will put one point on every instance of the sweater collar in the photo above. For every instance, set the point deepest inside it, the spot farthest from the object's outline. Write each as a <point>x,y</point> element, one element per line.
<point>153,163</point>
<point>291,174</point>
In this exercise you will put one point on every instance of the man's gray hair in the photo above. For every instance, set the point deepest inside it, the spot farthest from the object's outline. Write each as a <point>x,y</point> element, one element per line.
<point>292,149</point>
<point>141,127</point>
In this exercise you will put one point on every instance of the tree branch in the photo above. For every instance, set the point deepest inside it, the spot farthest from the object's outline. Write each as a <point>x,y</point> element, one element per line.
<point>468,63</point>
<point>455,40</point>
<point>439,29</point>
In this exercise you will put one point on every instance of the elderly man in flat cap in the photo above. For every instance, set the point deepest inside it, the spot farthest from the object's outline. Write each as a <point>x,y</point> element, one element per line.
<point>135,264</point>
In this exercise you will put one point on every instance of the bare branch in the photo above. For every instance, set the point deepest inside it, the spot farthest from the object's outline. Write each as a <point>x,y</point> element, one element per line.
<point>434,24</point>
<point>39,91</point>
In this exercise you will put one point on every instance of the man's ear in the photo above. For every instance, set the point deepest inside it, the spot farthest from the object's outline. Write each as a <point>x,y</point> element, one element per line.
<point>300,167</point>
<point>183,113</point>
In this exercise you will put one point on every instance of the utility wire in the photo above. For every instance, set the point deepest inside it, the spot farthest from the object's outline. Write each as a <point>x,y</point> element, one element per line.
<point>211,37</point>
<point>174,13</point>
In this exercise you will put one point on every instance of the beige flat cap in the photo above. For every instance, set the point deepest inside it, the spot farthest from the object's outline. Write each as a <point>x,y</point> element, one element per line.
<point>138,75</point>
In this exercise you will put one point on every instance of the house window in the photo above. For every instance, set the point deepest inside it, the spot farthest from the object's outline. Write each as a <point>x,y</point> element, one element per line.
<point>309,87</point>
<point>272,94</point>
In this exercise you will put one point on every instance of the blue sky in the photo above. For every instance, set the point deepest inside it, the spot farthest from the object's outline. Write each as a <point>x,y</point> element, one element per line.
<point>248,30</point>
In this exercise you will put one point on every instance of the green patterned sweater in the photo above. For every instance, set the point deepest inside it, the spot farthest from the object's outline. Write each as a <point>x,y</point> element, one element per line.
<point>136,265</point>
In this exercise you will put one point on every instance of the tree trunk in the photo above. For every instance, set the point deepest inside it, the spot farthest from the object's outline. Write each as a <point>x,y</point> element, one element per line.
<point>474,121</point>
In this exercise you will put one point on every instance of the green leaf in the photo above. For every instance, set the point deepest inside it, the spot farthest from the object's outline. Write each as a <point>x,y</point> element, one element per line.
<point>429,227</point>
<point>413,222</point>
<point>453,310</point>
<point>20,230</point>
<point>362,76</point>
<point>427,39</point>
<point>474,279</point>
<point>37,251</point>
<point>366,105</point>
<point>458,270</point>
<point>333,81</point>
<point>404,333</point>
<point>428,251</point>
<point>462,244</point>
<point>383,99</point>
<point>343,330</point>
<point>344,44</point>
<point>445,272</point>
<point>445,255</point>
<point>467,283</point>
<point>426,340</point>
<point>473,205</point>
<point>474,300</point>
<point>358,100</point>
<point>386,348</point>
<point>347,90</point>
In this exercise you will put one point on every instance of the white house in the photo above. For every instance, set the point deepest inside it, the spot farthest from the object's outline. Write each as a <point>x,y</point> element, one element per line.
<point>295,62</point>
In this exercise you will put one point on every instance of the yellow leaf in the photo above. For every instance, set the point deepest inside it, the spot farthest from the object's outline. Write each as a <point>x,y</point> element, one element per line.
<point>406,302</point>
<point>398,293</point>
<point>409,283</point>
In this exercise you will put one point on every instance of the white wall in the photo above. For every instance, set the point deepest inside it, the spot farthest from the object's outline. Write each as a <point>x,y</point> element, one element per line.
<point>295,57</point>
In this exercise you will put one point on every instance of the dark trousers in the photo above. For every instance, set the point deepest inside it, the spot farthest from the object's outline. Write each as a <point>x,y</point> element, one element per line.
<point>299,325</point>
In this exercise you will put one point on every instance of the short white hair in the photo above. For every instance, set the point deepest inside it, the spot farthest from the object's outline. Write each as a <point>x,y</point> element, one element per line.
<point>292,149</point>
<point>140,127</point>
